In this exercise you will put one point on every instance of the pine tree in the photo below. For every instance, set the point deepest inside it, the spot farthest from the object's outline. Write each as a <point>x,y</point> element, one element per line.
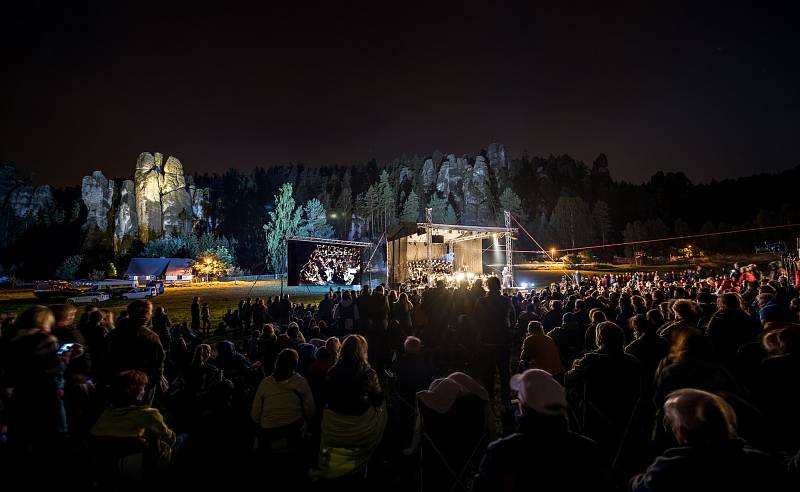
<point>386,200</point>
<point>450,215</point>
<point>411,208</point>
<point>284,221</point>
<point>510,201</point>
<point>315,222</point>
<point>439,206</point>
<point>602,219</point>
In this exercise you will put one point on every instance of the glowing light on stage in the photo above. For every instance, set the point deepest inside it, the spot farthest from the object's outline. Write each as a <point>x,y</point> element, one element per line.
<point>524,285</point>
<point>459,276</point>
<point>470,276</point>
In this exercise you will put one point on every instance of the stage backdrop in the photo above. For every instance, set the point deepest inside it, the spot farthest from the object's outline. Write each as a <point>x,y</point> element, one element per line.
<point>320,263</point>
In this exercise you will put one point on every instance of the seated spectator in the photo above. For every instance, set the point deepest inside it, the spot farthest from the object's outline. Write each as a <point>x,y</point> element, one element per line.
<point>540,351</point>
<point>201,390</point>
<point>130,417</point>
<point>607,382</point>
<point>355,417</point>
<point>543,454</point>
<point>413,370</point>
<point>596,316</point>
<point>731,327</point>
<point>691,364</point>
<point>776,392</point>
<point>568,338</point>
<point>686,316</point>
<point>283,403</point>
<point>708,456</point>
<point>648,347</point>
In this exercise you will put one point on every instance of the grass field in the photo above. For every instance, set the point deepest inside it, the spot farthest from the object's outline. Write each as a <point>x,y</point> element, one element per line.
<point>220,296</point>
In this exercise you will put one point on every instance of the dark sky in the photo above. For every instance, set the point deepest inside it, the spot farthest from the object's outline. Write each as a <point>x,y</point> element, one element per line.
<point>701,87</point>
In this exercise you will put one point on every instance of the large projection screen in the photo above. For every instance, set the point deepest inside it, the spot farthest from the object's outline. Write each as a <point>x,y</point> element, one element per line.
<point>321,263</point>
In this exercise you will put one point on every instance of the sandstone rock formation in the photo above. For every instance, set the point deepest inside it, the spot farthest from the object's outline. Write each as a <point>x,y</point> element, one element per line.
<point>428,175</point>
<point>28,201</point>
<point>98,195</point>
<point>157,202</point>
<point>477,207</point>
<point>126,225</point>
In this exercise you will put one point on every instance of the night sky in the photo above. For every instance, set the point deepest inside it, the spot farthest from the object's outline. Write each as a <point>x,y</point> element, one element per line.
<point>712,91</point>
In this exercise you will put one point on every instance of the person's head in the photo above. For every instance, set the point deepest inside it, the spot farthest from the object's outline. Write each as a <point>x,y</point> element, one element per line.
<point>690,344</point>
<point>354,349</point>
<point>334,346</point>
<point>346,296</point>
<point>269,330</point>
<point>412,345</point>
<point>35,318</point>
<point>609,337</point>
<point>535,328</point>
<point>201,355</point>
<point>684,309</point>
<point>196,300</point>
<point>539,394</point>
<point>597,316</point>
<point>730,300</point>
<point>568,319</point>
<point>160,311</point>
<point>293,330</point>
<point>128,387</point>
<point>641,325</point>
<point>392,297</point>
<point>140,311</point>
<point>379,290</point>
<point>493,284</point>
<point>698,418</point>
<point>764,299</point>
<point>286,364</point>
<point>555,305</point>
<point>64,314</point>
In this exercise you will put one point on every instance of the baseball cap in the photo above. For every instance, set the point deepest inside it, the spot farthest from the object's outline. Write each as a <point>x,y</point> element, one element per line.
<point>541,393</point>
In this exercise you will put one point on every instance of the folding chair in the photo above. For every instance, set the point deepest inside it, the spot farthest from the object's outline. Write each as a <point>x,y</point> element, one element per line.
<point>452,444</point>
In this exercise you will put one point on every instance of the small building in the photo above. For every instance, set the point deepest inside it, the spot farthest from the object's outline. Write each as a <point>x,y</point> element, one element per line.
<point>168,270</point>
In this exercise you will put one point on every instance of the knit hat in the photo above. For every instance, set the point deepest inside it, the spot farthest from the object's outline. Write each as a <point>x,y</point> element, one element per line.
<point>541,393</point>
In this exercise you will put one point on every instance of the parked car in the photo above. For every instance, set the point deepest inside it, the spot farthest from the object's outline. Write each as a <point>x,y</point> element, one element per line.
<point>89,297</point>
<point>145,293</point>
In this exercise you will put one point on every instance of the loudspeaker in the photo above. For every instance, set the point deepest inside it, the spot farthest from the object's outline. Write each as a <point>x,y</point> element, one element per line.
<point>437,239</point>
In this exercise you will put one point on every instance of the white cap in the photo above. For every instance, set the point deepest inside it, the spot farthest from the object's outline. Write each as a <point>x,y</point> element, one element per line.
<point>541,393</point>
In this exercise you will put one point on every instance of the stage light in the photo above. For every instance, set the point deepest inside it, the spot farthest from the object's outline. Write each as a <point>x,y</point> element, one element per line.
<point>524,285</point>
<point>552,252</point>
<point>470,276</point>
<point>333,215</point>
<point>459,276</point>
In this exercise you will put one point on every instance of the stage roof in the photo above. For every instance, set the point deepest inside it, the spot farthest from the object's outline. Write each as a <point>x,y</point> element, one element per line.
<point>450,232</point>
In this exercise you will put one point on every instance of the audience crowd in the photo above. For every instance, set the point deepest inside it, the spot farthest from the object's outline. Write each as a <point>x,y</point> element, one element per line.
<point>642,382</point>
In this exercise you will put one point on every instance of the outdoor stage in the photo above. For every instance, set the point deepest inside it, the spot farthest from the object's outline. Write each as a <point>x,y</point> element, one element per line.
<point>422,253</point>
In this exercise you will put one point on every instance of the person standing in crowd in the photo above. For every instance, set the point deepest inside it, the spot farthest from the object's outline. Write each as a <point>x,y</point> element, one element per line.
<point>195,310</point>
<point>494,315</point>
<point>133,345</point>
<point>543,454</point>
<point>162,326</point>
<point>205,316</point>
